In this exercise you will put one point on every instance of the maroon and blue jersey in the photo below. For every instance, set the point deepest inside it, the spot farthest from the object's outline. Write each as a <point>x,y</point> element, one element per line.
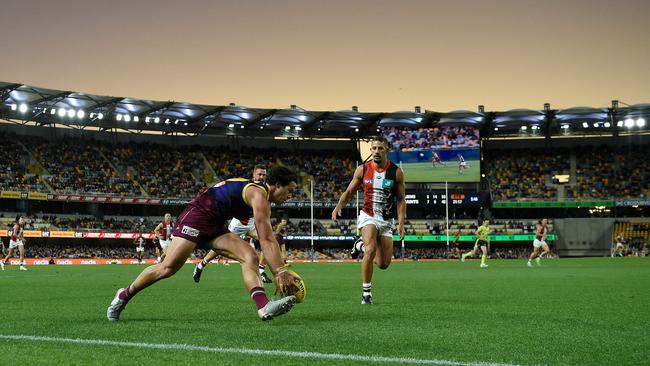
<point>227,199</point>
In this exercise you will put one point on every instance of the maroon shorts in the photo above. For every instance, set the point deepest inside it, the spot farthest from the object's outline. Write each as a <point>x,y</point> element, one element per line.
<point>199,226</point>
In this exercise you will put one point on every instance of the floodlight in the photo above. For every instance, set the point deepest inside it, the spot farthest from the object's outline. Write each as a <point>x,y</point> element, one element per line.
<point>23,108</point>
<point>640,122</point>
<point>81,114</point>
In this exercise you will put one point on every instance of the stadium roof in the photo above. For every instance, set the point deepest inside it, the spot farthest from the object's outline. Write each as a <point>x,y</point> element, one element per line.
<point>46,107</point>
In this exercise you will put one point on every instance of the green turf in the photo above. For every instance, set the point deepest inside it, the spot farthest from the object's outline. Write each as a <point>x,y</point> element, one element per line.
<point>425,172</point>
<point>567,312</point>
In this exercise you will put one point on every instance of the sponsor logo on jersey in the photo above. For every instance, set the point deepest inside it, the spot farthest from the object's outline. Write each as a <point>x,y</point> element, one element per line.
<point>190,231</point>
<point>367,181</point>
<point>387,183</point>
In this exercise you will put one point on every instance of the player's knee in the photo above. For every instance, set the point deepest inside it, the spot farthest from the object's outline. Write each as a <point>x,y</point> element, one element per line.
<point>383,265</point>
<point>166,271</point>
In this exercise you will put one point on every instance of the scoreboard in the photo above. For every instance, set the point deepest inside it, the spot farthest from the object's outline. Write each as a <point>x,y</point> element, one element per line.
<point>439,198</point>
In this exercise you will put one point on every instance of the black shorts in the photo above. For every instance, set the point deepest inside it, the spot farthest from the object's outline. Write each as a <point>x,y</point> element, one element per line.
<point>482,243</point>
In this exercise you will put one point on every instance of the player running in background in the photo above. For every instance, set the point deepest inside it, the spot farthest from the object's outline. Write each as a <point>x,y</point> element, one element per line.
<point>17,241</point>
<point>619,245</point>
<point>384,198</point>
<point>436,160</point>
<point>163,233</point>
<point>455,246</point>
<point>245,228</point>
<point>482,234</point>
<point>461,164</point>
<point>280,230</point>
<point>540,248</point>
<point>203,224</point>
<point>139,244</point>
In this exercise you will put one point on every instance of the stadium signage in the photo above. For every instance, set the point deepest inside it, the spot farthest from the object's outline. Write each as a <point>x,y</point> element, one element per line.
<point>552,204</point>
<point>103,199</point>
<point>632,202</point>
<point>471,238</point>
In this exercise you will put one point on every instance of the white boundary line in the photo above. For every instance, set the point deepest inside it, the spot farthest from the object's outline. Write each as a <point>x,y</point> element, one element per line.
<point>249,351</point>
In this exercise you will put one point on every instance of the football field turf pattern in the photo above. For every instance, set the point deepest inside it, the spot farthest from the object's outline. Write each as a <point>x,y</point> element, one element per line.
<point>425,172</point>
<point>566,312</point>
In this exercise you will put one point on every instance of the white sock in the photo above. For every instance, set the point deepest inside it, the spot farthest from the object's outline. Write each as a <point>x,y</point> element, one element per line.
<point>367,287</point>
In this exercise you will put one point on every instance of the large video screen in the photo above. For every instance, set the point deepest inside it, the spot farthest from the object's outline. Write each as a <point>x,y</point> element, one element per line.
<point>436,154</point>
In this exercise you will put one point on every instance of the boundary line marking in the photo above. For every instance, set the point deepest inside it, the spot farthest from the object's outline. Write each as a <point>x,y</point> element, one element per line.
<point>250,351</point>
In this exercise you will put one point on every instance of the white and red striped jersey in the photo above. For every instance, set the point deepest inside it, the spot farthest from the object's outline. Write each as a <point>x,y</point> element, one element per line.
<point>379,190</point>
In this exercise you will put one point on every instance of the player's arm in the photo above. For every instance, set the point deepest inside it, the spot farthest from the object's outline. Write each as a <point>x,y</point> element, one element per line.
<point>401,202</point>
<point>262,214</point>
<point>347,195</point>
<point>158,230</point>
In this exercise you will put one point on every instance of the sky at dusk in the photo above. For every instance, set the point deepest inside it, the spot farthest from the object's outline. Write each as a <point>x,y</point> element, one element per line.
<point>330,55</point>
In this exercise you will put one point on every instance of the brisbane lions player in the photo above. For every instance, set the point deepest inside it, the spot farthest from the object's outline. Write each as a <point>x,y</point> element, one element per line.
<point>383,200</point>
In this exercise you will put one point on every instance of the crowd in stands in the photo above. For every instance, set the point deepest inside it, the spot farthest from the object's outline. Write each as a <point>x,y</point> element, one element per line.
<point>86,166</point>
<point>601,172</point>
<point>402,138</point>
<point>525,174</point>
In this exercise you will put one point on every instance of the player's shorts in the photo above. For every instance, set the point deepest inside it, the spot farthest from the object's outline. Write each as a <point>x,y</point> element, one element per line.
<point>240,229</point>
<point>139,249</point>
<point>13,244</point>
<point>539,243</point>
<point>620,245</point>
<point>481,243</point>
<point>165,243</point>
<point>463,164</point>
<point>198,226</point>
<point>385,228</point>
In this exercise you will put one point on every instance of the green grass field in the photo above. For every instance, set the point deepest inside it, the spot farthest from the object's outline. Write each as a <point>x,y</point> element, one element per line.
<point>567,312</point>
<point>425,172</point>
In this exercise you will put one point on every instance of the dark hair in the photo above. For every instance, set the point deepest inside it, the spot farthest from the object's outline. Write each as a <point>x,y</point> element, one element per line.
<point>381,139</point>
<point>259,166</point>
<point>281,175</point>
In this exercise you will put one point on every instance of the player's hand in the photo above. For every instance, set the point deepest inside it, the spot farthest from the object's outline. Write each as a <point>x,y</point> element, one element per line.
<point>400,231</point>
<point>336,213</point>
<point>284,281</point>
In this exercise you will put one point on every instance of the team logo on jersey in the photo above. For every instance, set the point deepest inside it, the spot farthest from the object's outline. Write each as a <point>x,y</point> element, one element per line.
<point>190,231</point>
<point>387,183</point>
<point>367,181</point>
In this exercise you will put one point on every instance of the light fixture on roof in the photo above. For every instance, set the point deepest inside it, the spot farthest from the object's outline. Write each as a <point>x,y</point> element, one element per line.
<point>176,122</point>
<point>184,123</point>
<point>118,117</point>
<point>167,121</point>
<point>418,109</point>
<point>566,127</point>
<point>355,108</point>
<point>14,107</point>
<point>496,128</point>
<point>81,114</point>
<point>534,127</point>
<point>127,118</point>
<point>298,128</point>
<point>241,126</point>
<point>53,111</point>
<point>156,120</point>
<point>71,113</point>
<point>629,123</point>
<point>640,122</point>
<point>23,108</point>
<point>607,124</point>
<point>61,112</point>
<point>619,124</point>
<point>136,119</point>
<point>356,129</point>
<point>147,119</point>
<point>595,124</point>
<point>100,115</point>
<point>261,127</point>
<point>524,128</point>
<point>585,124</point>
<point>232,125</point>
<point>287,128</point>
